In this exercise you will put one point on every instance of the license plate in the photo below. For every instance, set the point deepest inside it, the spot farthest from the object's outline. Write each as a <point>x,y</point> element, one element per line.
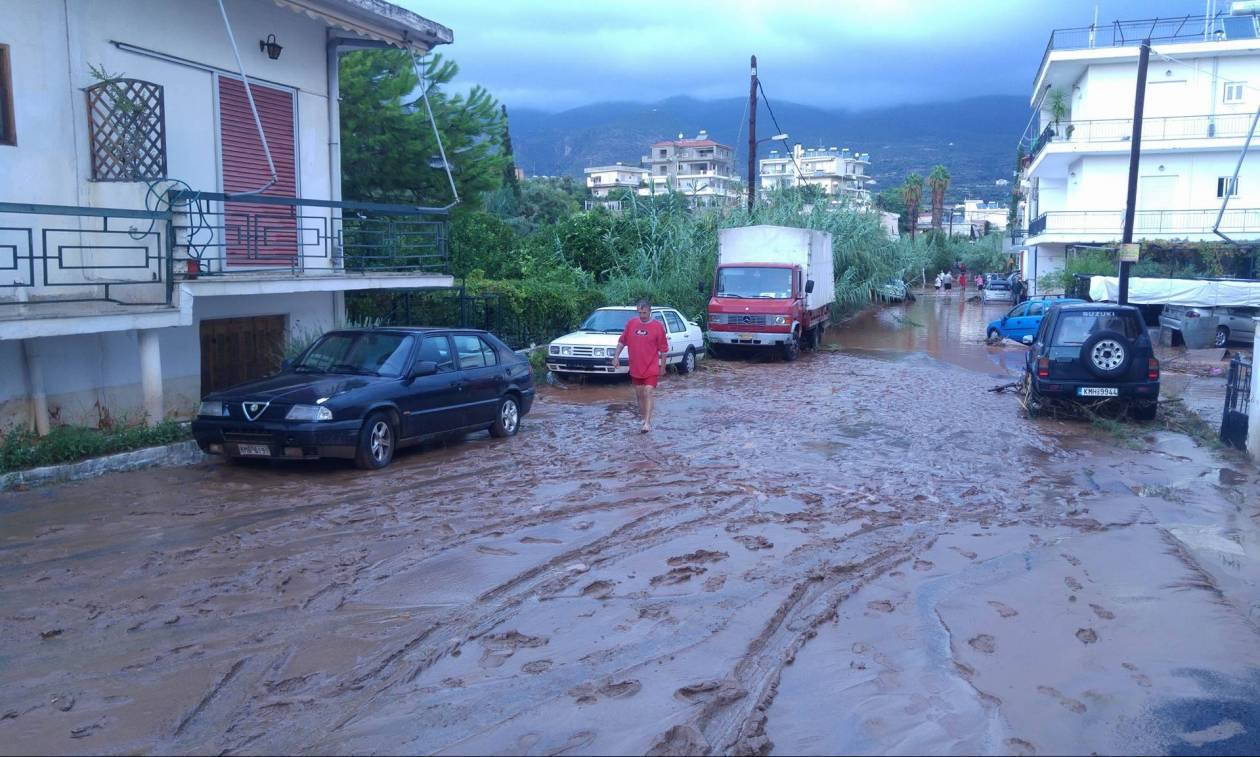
<point>1097,391</point>
<point>747,337</point>
<point>253,450</point>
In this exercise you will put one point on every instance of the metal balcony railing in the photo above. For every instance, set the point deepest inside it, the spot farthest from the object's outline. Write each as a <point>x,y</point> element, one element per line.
<point>57,253</point>
<point>1218,27</point>
<point>1146,223</point>
<point>1223,126</point>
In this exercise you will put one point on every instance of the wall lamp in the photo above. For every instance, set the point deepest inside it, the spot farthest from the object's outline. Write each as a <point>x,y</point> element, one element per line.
<point>270,45</point>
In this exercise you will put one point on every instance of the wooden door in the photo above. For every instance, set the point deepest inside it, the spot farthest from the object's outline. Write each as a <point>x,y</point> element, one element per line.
<point>256,234</point>
<point>236,350</point>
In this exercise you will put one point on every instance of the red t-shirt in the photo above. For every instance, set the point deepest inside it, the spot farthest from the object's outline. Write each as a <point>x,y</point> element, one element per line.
<point>645,341</point>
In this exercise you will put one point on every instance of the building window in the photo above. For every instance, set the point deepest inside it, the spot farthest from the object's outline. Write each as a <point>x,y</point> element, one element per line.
<point>596,180</point>
<point>8,130</point>
<point>1227,182</point>
<point>127,130</point>
<point>1233,92</point>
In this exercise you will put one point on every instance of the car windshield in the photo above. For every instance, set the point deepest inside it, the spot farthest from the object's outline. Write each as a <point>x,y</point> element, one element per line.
<point>608,320</point>
<point>756,283</point>
<point>1078,326</point>
<point>363,353</point>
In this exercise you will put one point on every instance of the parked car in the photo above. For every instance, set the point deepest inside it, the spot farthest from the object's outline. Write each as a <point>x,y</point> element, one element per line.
<point>894,290</point>
<point>1234,324</point>
<point>1089,351</point>
<point>996,289</point>
<point>360,394</point>
<point>1021,323</point>
<point>587,350</point>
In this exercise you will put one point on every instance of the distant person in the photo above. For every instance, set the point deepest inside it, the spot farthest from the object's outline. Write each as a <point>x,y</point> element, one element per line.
<point>947,281</point>
<point>962,282</point>
<point>645,338</point>
<point>979,282</point>
<point>938,282</point>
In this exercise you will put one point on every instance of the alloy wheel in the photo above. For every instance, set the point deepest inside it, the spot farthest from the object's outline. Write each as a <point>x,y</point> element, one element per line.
<point>382,441</point>
<point>510,416</point>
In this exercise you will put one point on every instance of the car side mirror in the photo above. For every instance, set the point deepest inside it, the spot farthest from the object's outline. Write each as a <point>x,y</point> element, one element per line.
<point>1027,339</point>
<point>286,364</point>
<point>423,368</point>
<point>809,286</point>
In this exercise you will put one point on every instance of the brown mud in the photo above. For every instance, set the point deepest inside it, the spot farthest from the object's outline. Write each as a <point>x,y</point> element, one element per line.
<point>864,551</point>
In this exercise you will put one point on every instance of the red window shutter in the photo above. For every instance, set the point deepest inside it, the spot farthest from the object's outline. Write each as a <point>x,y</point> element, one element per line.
<point>257,234</point>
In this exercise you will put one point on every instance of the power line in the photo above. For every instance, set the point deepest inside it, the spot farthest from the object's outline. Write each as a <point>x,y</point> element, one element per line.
<point>791,152</point>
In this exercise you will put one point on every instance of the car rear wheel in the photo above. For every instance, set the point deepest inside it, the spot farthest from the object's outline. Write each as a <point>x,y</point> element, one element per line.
<point>688,362</point>
<point>1032,399</point>
<point>377,441</point>
<point>1107,354</point>
<point>1222,336</point>
<point>508,419</point>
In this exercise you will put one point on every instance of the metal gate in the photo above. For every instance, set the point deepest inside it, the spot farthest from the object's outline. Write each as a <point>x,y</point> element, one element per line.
<point>1237,403</point>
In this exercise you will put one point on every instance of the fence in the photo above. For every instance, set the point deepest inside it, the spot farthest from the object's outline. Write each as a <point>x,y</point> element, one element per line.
<point>1237,403</point>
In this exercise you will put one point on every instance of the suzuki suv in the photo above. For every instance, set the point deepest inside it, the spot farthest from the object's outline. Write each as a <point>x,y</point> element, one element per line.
<point>1091,351</point>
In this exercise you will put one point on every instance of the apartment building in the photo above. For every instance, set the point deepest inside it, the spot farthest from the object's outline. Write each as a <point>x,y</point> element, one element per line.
<point>602,180</point>
<point>699,168</point>
<point>1203,85</point>
<point>841,174</point>
<point>154,246</point>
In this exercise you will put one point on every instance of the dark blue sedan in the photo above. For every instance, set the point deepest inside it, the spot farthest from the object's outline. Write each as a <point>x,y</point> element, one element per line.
<point>361,394</point>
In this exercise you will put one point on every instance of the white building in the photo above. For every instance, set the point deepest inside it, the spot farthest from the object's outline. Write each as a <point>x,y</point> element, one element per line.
<point>978,213</point>
<point>700,168</point>
<point>1202,87</point>
<point>841,175</point>
<point>601,180</point>
<point>114,308</point>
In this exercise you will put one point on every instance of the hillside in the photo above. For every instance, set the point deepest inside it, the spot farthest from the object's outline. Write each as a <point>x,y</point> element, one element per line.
<point>974,138</point>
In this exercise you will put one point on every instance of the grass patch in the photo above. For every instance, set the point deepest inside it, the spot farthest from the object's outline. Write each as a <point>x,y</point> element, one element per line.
<point>21,449</point>
<point>1175,416</point>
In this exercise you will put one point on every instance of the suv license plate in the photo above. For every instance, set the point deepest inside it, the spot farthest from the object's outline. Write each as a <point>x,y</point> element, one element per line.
<point>253,450</point>
<point>1097,391</point>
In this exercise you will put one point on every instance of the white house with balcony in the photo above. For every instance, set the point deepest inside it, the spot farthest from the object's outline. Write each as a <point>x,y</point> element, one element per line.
<point>700,168</point>
<point>151,248</point>
<point>1203,87</point>
<point>602,180</point>
<point>841,174</point>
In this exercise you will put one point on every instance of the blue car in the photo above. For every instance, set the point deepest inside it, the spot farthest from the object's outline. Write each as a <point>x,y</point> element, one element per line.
<point>1023,320</point>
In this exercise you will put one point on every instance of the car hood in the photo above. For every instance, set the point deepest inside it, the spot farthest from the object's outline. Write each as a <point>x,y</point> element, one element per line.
<point>588,339</point>
<point>298,388</point>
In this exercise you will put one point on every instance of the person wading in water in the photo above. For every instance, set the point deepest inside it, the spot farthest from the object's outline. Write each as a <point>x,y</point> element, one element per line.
<point>646,341</point>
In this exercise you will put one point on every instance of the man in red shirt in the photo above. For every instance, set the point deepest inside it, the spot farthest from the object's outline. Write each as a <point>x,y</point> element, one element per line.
<point>648,346</point>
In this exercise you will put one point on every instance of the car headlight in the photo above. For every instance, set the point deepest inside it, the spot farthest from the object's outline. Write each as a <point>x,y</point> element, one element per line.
<point>309,413</point>
<point>553,349</point>
<point>566,350</point>
<point>213,409</point>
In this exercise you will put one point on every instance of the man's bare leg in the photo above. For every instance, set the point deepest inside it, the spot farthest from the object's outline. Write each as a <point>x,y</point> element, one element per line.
<point>647,403</point>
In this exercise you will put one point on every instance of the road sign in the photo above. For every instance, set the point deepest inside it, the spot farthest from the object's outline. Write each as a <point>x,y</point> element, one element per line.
<point>1129,252</point>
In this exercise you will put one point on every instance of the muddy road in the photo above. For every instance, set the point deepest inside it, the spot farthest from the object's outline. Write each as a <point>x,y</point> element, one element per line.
<point>861,552</point>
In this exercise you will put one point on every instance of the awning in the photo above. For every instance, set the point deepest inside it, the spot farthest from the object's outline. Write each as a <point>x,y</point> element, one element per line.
<point>1189,292</point>
<point>377,20</point>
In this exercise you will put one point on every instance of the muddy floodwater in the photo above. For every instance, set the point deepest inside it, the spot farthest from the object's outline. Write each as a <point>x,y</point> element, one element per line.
<point>865,551</point>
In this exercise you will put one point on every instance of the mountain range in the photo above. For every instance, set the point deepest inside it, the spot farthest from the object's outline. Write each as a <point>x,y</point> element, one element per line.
<point>974,138</point>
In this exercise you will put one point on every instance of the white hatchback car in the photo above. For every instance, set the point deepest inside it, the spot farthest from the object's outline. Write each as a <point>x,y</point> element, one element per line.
<point>587,350</point>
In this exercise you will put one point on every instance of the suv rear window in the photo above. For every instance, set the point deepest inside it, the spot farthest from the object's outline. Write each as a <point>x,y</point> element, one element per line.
<point>1076,327</point>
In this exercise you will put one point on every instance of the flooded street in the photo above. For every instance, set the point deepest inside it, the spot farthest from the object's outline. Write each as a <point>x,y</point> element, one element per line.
<point>862,552</point>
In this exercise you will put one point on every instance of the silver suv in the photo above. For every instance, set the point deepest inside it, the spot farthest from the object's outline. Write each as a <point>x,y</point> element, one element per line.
<point>1233,324</point>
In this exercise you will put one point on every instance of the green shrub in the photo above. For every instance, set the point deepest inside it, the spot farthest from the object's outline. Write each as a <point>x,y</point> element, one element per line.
<point>21,449</point>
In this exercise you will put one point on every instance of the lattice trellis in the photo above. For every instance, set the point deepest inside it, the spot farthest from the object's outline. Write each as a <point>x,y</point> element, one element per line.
<point>127,130</point>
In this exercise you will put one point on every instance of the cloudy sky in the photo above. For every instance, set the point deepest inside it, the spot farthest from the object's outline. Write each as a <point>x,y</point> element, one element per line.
<point>557,54</point>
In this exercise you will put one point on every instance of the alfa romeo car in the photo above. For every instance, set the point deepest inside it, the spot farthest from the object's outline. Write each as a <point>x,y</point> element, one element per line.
<point>361,394</point>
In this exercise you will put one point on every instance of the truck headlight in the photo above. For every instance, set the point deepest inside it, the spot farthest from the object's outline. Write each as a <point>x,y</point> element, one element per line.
<point>780,320</point>
<point>553,349</point>
<point>212,409</point>
<point>308,413</point>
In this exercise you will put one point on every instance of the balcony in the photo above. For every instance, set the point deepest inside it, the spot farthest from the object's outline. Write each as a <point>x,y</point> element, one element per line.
<point>1072,226</point>
<point>1161,31</point>
<point>1119,131</point>
<point>65,261</point>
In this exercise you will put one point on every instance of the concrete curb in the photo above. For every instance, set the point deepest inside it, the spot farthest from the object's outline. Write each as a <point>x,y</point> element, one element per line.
<point>180,453</point>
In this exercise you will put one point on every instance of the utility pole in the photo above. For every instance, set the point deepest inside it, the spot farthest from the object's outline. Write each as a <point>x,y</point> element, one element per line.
<point>752,137</point>
<point>1135,152</point>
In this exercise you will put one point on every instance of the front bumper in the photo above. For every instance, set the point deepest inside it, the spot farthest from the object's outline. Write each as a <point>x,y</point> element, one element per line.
<point>750,338</point>
<point>593,365</point>
<point>1058,388</point>
<point>290,441</point>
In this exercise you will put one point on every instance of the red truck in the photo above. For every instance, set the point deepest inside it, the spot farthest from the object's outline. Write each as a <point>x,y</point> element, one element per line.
<point>773,289</point>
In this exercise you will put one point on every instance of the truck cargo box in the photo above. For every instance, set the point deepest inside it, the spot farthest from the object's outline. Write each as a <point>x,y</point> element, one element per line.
<point>808,248</point>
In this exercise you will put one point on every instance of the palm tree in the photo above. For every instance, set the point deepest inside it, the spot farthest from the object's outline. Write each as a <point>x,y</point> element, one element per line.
<point>938,180</point>
<point>911,194</point>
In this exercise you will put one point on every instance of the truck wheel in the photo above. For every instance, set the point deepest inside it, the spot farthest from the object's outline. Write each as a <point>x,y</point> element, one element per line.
<point>688,362</point>
<point>810,341</point>
<point>792,347</point>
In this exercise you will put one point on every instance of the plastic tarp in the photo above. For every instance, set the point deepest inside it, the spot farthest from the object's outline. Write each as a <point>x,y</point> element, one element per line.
<point>1192,292</point>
